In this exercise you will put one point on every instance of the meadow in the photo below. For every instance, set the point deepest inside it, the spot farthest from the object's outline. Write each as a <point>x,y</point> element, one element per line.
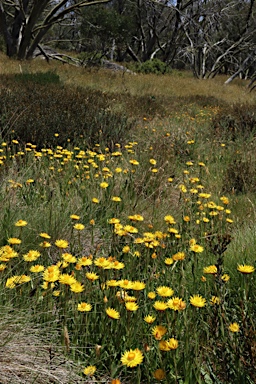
<point>127,248</point>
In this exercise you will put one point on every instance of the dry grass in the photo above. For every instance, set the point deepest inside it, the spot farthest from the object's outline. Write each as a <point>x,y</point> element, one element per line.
<point>27,356</point>
<point>180,84</point>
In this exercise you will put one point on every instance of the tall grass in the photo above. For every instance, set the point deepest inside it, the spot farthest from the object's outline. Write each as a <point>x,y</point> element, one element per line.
<point>139,255</point>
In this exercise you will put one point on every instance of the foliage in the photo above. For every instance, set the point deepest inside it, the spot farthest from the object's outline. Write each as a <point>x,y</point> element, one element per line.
<point>155,66</point>
<point>235,122</point>
<point>42,107</point>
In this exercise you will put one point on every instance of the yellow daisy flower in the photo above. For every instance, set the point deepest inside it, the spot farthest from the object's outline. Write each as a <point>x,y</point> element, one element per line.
<point>132,358</point>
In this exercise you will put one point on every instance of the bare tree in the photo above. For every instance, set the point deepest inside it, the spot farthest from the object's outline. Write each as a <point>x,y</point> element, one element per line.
<point>24,23</point>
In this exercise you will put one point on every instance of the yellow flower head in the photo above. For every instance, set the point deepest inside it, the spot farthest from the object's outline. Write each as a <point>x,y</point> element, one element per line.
<point>179,256</point>
<point>91,276</point>
<point>131,306</point>
<point>169,261</point>
<point>90,370</point>
<point>20,223</point>
<point>176,304</point>
<point>245,269</point>
<point>14,241</point>
<point>197,301</point>
<point>74,217</point>
<point>159,331</point>
<point>61,243</point>
<point>160,305</point>
<point>138,285</point>
<point>79,227</point>
<point>211,269</point>
<point>234,327</point>
<point>196,248</point>
<point>37,268</point>
<point>84,307</point>
<point>31,256</point>
<point>44,235</point>
<point>225,277</point>
<point>169,219</point>
<point>132,358</point>
<point>149,319</point>
<point>77,287</point>
<point>165,291</point>
<point>112,313</point>
<point>51,274</point>
<point>67,279</point>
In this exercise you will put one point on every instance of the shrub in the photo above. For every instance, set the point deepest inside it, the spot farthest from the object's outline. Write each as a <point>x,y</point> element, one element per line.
<point>155,66</point>
<point>48,77</point>
<point>34,112</point>
<point>235,122</point>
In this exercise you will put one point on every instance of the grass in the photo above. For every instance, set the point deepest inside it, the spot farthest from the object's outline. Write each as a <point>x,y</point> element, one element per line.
<point>161,215</point>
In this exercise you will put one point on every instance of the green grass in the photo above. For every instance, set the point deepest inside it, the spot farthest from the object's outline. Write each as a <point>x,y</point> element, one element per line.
<point>172,161</point>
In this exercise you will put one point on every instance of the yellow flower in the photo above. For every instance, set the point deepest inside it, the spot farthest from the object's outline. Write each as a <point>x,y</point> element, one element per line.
<point>125,284</point>
<point>37,268</point>
<point>112,313</point>
<point>138,286</point>
<point>169,219</point>
<point>84,261</point>
<point>74,217</point>
<point>44,235</point>
<point>116,198</point>
<point>102,262</point>
<point>151,295</point>
<point>131,306</point>
<point>90,370</point>
<point>14,241</point>
<point>197,301</point>
<point>159,331</point>
<point>215,300</point>
<point>245,269</point>
<point>21,223</point>
<point>176,304</point>
<point>159,374</point>
<point>173,343</point>
<point>126,249</point>
<point>51,274</point>
<point>132,358</point>
<point>31,255</point>
<point>225,277</point>
<point>149,319</point>
<point>104,185</point>
<point>11,282</point>
<point>234,327</point>
<point>95,200</point>
<point>169,261</point>
<point>84,307</point>
<point>211,269</point>
<point>186,219</point>
<point>133,162</point>
<point>179,256</point>
<point>61,243</point>
<point>160,305</point>
<point>69,258</point>
<point>79,227</point>
<point>136,218</point>
<point>152,161</point>
<point>196,248</point>
<point>77,287</point>
<point>91,276</point>
<point>165,291</point>
<point>2,267</point>
<point>67,279</point>
<point>45,244</point>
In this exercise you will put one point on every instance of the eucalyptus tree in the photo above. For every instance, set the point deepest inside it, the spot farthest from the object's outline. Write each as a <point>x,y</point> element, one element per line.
<point>25,23</point>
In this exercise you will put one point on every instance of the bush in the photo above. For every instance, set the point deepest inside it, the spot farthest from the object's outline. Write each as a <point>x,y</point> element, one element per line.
<point>34,112</point>
<point>235,122</point>
<point>155,66</point>
<point>48,77</point>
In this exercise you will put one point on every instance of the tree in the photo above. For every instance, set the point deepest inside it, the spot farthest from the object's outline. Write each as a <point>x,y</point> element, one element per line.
<point>24,23</point>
